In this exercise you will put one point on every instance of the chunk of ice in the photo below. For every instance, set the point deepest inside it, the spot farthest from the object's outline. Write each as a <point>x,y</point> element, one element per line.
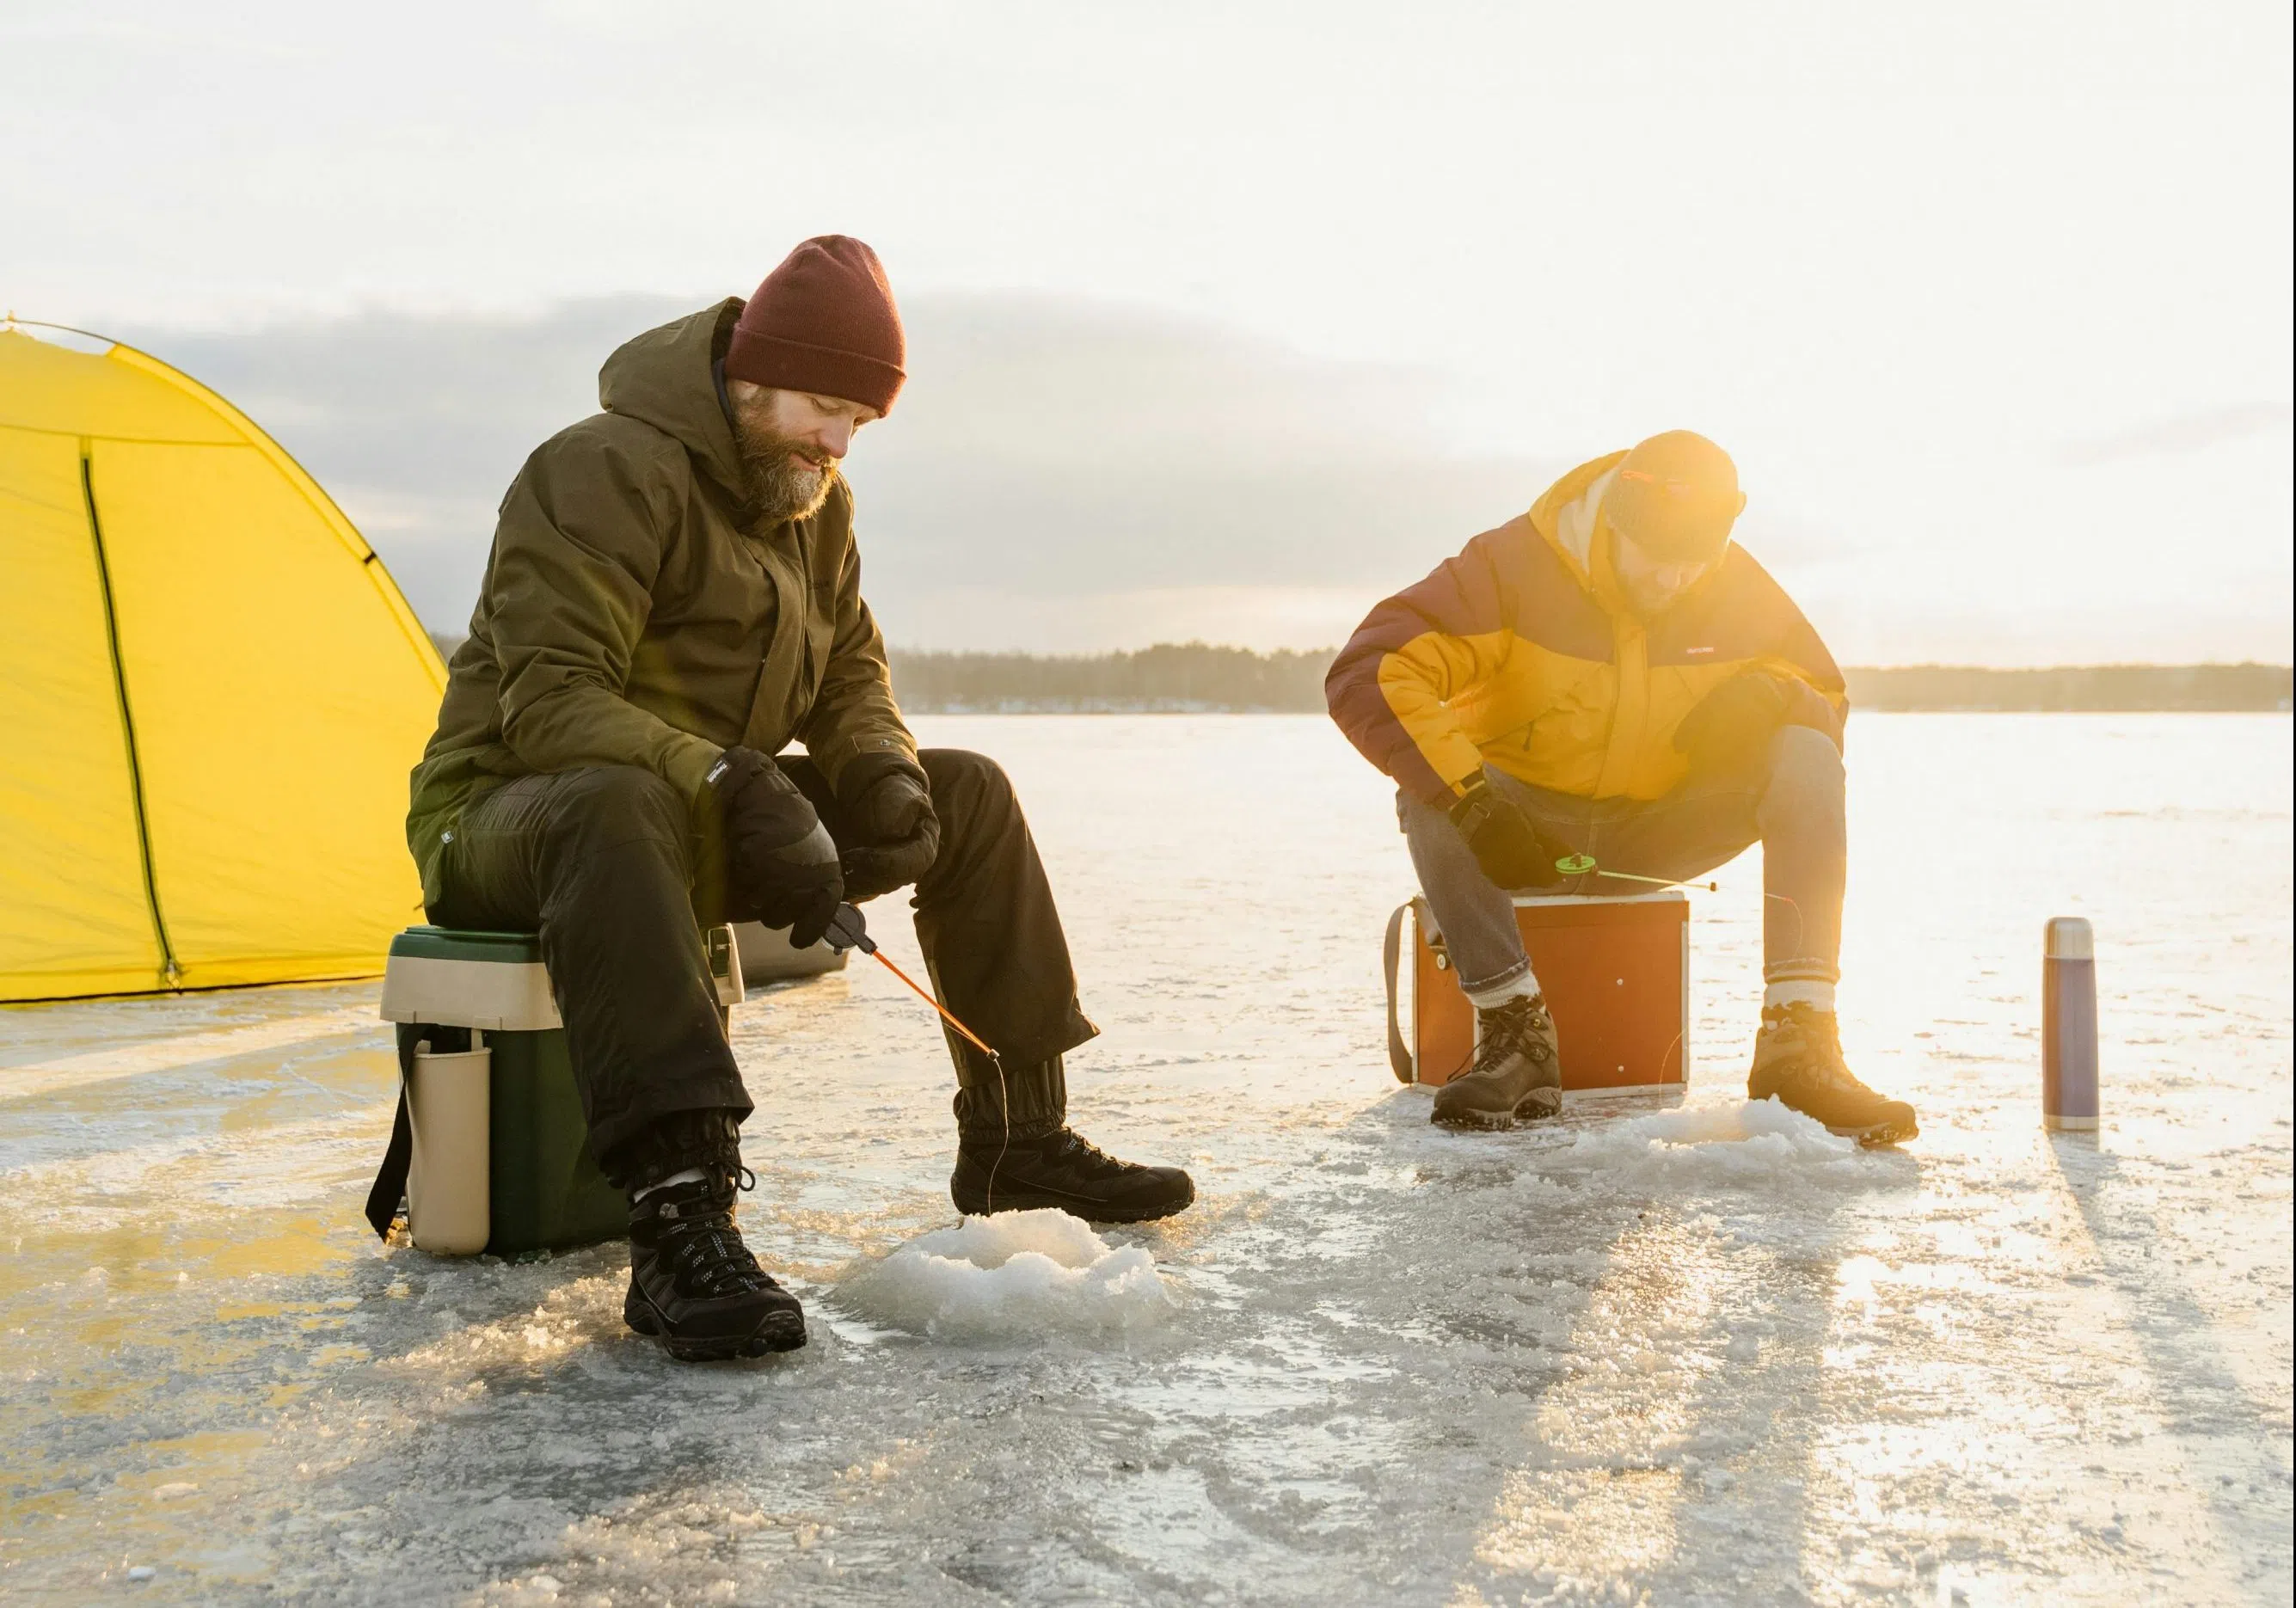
<point>1020,1273</point>
<point>1744,1144</point>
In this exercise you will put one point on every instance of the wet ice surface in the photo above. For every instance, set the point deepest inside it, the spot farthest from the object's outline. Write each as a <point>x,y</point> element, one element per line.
<point>1706,1353</point>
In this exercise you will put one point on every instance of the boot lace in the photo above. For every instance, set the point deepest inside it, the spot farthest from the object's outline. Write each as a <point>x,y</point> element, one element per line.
<point>1519,1025</point>
<point>703,1249</point>
<point>1820,1063</point>
<point>1077,1151</point>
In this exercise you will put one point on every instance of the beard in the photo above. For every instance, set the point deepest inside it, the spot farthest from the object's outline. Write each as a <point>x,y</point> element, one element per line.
<point>783,479</point>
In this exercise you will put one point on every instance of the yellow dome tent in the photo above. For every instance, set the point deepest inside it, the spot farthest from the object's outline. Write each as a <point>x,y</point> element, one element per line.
<point>210,695</point>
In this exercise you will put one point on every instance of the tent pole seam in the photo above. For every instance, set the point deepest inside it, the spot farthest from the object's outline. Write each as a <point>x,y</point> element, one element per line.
<point>171,973</point>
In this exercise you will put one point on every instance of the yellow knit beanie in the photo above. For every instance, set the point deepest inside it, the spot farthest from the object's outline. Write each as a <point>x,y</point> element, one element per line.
<point>1676,497</point>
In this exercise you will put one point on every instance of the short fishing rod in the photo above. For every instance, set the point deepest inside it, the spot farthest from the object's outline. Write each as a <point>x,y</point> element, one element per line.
<point>849,930</point>
<point>1583,865</point>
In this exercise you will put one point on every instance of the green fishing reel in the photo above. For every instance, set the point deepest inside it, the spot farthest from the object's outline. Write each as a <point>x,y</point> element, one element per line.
<point>1579,864</point>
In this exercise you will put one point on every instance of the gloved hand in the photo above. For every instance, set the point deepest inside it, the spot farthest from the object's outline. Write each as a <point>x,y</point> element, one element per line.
<point>1508,845</point>
<point>1738,718</point>
<point>893,834</point>
<point>780,862</point>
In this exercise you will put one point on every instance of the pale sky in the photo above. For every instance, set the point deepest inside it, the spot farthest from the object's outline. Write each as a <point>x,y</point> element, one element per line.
<point>1992,302</point>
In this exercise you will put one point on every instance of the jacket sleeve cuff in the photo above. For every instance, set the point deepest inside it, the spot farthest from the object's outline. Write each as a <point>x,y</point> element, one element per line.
<point>876,747</point>
<point>686,765</point>
<point>1456,762</point>
<point>1813,709</point>
<point>864,770</point>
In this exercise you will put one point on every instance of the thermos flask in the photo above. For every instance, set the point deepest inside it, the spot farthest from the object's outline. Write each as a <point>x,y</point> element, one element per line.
<point>2069,1025</point>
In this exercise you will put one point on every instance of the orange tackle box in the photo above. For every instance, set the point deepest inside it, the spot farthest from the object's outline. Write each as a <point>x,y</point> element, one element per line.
<point>1615,972</point>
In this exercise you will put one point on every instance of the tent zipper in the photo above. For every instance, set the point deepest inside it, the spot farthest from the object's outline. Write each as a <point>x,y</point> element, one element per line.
<point>170,972</point>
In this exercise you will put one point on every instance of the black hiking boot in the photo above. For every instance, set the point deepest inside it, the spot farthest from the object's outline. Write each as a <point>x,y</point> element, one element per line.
<point>1516,1075</point>
<point>1798,1063</point>
<point>693,1284</point>
<point>1061,1168</point>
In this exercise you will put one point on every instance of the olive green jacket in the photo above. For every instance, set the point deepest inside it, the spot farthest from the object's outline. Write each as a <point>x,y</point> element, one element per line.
<point>628,618</point>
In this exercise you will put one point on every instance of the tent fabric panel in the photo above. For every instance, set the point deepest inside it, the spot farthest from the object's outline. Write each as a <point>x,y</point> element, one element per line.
<point>45,387</point>
<point>279,707</point>
<point>72,871</point>
<point>322,505</point>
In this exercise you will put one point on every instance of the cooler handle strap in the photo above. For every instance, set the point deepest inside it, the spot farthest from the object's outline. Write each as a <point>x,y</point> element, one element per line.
<point>1399,1052</point>
<point>390,1192</point>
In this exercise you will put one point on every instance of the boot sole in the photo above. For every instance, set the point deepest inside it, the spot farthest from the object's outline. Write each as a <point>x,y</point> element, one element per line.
<point>1524,1111</point>
<point>1085,1212</point>
<point>779,1331</point>
<point>1878,1134</point>
<point>1870,1135</point>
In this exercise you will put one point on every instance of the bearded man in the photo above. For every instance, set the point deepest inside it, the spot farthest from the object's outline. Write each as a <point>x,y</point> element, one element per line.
<point>1609,678</point>
<point>674,597</point>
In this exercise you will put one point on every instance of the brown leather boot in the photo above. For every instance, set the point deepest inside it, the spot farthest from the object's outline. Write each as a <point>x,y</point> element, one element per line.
<point>1798,1063</point>
<point>1517,1074</point>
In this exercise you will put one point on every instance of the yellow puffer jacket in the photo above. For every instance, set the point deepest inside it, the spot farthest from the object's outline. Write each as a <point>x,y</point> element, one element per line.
<point>1523,653</point>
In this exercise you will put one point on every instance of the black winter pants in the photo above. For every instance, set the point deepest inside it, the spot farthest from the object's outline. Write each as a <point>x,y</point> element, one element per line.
<point>602,861</point>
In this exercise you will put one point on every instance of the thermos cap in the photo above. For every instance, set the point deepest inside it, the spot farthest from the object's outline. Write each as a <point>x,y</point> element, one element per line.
<point>2069,938</point>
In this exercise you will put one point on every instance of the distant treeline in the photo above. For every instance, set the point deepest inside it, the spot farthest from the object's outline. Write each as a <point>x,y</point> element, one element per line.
<point>1169,676</point>
<point>1193,677</point>
<point>2097,687</point>
<point>1183,677</point>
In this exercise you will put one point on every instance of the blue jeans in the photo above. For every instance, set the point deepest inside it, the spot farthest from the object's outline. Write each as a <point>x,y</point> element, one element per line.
<point>1788,798</point>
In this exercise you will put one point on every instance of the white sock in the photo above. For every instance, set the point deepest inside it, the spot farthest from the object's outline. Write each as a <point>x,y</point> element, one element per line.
<point>1490,999</point>
<point>692,1175</point>
<point>1798,990</point>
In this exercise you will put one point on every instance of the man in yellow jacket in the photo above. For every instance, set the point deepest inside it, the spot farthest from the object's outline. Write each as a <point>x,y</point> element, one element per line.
<point>1605,685</point>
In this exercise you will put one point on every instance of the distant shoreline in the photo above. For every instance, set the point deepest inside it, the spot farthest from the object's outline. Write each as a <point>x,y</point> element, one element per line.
<point>1198,678</point>
<point>2076,689</point>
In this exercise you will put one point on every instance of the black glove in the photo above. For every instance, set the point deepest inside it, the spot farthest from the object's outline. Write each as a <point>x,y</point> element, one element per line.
<point>1737,719</point>
<point>780,863</point>
<point>893,835</point>
<point>1511,851</point>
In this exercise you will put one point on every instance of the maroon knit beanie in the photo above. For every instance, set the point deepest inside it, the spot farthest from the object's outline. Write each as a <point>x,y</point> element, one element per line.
<point>822,322</point>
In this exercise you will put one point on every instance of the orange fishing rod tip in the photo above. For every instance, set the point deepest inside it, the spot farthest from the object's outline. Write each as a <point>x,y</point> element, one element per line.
<point>971,1037</point>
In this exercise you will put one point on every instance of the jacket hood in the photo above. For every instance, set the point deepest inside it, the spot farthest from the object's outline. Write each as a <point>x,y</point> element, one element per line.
<point>1569,516</point>
<point>663,378</point>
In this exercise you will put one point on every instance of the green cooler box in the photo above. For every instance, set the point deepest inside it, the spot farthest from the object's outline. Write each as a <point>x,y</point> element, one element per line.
<point>486,1088</point>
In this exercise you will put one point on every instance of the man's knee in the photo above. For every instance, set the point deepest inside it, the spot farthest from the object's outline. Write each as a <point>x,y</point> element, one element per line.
<point>607,806</point>
<point>1413,814</point>
<point>1806,773</point>
<point>965,784</point>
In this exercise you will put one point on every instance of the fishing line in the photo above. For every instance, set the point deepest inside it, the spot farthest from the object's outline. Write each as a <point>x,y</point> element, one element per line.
<point>1583,865</point>
<point>847,931</point>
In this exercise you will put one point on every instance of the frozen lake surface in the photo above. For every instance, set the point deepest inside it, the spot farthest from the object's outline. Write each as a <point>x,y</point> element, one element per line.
<point>1704,1354</point>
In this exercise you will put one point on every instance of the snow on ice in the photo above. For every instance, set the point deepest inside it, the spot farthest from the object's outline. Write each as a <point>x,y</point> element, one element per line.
<point>1689,1353</point>
<point>1022,1274</point>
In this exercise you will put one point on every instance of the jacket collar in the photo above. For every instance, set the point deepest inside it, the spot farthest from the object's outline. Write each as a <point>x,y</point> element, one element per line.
<point>1569,518</point>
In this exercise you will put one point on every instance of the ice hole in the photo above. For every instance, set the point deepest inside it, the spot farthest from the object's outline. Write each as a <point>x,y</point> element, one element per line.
<point>1752,1143</point>
<point>1022,1273</point>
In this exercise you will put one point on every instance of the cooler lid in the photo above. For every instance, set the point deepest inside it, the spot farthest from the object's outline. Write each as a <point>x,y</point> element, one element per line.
<point>455,943</point>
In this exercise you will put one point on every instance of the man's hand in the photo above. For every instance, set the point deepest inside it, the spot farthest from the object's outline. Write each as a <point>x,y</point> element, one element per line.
<point>895,834</point>
<point>1509,846</point>
<point>1737,719</point>
<point>781,863</point>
